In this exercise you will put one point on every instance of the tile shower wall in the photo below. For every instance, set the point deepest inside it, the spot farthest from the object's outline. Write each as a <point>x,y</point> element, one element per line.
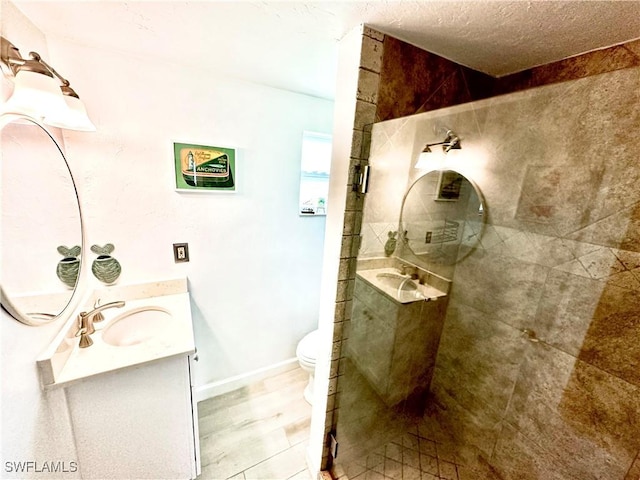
<point>537,370</point>
<point>415,81</point>
<point>397,79</point>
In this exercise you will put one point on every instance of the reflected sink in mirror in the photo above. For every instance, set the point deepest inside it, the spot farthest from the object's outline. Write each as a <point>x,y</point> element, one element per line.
<point>406,289</point>
<point>138,326</point>
<point>401,288</point>
<point>392,280</point>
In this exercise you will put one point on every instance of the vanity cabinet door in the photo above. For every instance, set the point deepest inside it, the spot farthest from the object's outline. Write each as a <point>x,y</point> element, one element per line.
<point>135,423</point>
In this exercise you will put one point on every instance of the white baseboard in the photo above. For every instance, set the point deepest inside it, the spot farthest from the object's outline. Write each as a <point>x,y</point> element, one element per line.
<point>214,389</point>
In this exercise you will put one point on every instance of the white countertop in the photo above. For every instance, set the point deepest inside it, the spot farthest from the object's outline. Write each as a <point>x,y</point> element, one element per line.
<point>426,292</point>
<point>65,362</point>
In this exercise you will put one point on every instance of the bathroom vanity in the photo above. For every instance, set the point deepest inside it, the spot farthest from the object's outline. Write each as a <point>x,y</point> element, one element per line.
<point>137,423</point>
<point>122,382</point>
<point>129,394</point>
<point>395,330</point>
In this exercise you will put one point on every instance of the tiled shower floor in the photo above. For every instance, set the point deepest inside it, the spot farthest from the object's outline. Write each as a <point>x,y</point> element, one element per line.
<point>381,443</point>
<point>409,457</point>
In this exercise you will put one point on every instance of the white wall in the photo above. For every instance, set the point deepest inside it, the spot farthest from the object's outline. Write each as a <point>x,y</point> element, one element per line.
<point>34,425</point>
<point>255,266</point>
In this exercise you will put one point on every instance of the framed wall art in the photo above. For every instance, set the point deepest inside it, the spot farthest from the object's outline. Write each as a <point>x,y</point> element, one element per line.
<point>204,168</point>
<point>449,183</point>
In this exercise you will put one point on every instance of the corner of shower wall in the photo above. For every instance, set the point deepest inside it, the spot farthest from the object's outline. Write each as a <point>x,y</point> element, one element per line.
<point>371,50</point>
<point>385,93</point>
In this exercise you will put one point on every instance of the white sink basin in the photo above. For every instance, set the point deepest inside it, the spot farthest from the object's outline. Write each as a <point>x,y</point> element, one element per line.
<point>391,280</point>
<point>411,291</point>
<point>401,288</point>
<point>138,326</point>
<point>404,287</point>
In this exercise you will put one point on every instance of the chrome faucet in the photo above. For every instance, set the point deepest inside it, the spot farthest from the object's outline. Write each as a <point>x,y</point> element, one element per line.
<point>409,270</point>
<point>86,319</point>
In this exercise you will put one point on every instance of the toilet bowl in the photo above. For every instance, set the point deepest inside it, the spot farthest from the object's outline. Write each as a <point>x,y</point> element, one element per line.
<point>307,353</point>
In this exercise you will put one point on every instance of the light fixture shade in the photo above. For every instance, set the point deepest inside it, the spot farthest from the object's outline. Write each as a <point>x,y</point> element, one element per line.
<point>73,117</point>
<point>35,95</point>
<point>423,161</point>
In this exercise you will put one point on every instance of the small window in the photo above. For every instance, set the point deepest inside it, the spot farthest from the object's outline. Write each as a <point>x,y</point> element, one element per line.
<point>314,175</point>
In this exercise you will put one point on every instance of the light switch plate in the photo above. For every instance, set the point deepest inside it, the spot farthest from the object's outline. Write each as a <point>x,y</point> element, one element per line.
<point>181,252</point>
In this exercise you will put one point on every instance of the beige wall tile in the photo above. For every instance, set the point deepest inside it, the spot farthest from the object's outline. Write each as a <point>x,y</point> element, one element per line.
<point>371,57</point>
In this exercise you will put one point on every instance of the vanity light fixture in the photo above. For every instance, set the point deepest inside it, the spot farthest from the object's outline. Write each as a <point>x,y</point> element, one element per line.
<point>40,91</point>
<point>451,142</point>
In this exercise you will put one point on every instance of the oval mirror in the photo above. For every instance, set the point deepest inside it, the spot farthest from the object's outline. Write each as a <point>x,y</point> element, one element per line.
<point>442,218</point>
<point>41,223</point>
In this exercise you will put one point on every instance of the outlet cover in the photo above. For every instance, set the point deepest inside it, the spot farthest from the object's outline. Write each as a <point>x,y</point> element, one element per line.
<point>181,252</point>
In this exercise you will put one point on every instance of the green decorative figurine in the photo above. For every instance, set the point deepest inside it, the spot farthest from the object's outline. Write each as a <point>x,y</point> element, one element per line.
<point>69,267</point>
<point>106,268</point>
<point>390,245</point>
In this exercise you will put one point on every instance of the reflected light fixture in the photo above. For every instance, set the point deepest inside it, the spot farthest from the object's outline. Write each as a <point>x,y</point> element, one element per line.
<point>451,142</point>
<point>41,92</point>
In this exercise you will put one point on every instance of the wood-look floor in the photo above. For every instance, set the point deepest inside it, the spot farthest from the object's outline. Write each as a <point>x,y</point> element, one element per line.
<point>258,432</point>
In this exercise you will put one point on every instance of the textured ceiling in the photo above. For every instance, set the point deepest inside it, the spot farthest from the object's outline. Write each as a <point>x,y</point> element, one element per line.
<point>293,45</point>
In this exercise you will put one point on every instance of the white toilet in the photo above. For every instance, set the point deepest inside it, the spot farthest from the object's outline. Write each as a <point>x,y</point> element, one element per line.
<point>307,353</point>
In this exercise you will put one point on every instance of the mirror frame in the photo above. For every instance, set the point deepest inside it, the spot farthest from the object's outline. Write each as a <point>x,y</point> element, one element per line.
<point>38,319</point>
<point>483,206</point>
